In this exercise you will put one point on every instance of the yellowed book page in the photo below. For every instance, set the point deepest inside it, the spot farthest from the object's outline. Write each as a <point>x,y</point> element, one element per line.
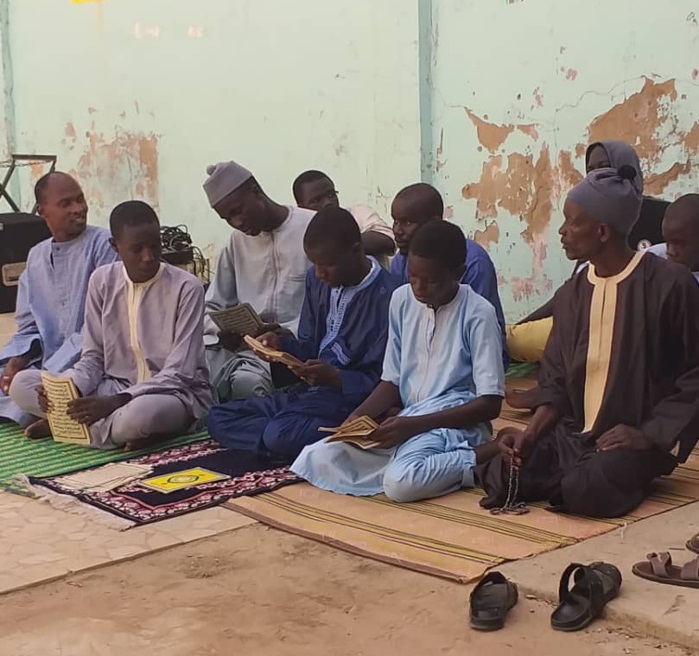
<point>60,392</point>
<point>274,355</point>
<point>240,319</point>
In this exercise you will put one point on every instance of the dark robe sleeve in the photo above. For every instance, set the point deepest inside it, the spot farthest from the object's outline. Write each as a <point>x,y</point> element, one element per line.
<point>675,419</point>
<point>552,374</point>
<point>305,345</point>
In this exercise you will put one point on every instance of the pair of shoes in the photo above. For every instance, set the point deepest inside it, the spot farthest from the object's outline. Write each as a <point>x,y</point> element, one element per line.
<point>594,586</point>
<point>658,568</point>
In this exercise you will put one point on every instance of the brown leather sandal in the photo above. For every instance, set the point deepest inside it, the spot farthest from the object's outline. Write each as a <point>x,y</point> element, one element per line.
<point>693,543</point>
<point>659,569</point>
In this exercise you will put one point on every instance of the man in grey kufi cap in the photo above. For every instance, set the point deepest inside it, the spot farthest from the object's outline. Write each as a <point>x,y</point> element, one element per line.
<point>264,265</point>
<point>224,178</point>
<point>618,398</point>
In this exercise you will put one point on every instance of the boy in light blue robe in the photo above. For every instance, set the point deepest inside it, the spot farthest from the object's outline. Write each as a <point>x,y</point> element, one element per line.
<point>416,205</point>
<point>341,342</point>
<point>443,367</point>
<point>53,288</point>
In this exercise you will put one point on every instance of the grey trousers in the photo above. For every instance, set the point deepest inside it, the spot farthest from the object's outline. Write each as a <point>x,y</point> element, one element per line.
<point>151,414</point>
<point>237,376</point>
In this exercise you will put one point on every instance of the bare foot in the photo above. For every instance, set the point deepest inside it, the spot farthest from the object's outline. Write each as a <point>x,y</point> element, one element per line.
<point>38,430</point>
<point>522,399</point>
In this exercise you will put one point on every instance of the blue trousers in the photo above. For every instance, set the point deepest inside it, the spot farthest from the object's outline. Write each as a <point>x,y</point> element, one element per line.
<point>282,424</point>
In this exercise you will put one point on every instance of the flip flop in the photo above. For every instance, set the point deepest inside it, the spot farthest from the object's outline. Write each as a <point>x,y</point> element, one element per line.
<point>693,543</point>
<point>594,586</point>
<point>491,600</point>
<point>659,569</point>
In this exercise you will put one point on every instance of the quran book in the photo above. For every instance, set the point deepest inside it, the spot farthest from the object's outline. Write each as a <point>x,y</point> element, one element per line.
<point>240,319</point>
<point>60,392</point>
<point>182,480</point>
<point>355,432</point>
<point>272,354</point>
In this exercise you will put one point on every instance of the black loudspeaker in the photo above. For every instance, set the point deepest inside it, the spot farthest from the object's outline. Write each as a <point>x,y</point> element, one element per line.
<point>19,232</point>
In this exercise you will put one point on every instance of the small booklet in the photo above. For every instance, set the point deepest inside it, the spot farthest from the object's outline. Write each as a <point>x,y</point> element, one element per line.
<point>182,480</point>
<point>355,432</point>
<point>60,392</point>
<point>240,319</point>
<point>276,356</point>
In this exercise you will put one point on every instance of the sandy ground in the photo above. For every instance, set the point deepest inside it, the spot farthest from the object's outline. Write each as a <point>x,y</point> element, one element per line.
<point>256,591</point>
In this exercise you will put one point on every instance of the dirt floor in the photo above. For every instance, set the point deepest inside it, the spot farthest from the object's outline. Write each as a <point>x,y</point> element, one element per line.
<point>256,591</point>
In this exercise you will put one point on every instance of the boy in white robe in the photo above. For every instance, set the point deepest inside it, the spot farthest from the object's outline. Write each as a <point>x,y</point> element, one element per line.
<point>142,372</point>
<point>443,370</point>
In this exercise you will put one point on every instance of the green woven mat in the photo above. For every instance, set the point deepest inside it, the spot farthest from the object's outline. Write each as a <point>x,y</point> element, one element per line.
<point>522,370</point>
<point>19,455</point>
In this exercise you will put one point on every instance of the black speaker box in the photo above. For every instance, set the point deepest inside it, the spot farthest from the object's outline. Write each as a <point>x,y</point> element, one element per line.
<point>18,233</point>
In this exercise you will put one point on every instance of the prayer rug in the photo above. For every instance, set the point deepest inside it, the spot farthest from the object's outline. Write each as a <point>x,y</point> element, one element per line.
<point>22,456</point>
<point>133,504</point>
<point>451,537</point>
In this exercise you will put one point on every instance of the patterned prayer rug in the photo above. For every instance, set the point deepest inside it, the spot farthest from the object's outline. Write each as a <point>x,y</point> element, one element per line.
<point>22,456</point>
<point>135,505</point>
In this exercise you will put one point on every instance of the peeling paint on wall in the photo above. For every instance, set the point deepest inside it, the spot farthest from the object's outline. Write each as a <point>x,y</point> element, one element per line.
<point>114,168</point>
<point>525,181</point>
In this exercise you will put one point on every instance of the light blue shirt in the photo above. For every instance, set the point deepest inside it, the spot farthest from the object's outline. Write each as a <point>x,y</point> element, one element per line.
<point>443,358</point>
<point>51,297</point>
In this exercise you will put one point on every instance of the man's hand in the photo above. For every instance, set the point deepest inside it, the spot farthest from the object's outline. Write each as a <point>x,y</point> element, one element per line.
<point>267,328</point>
<point>395,430</point>
<point>44,403</point>
<point>230,341</point>
<point>319,373</point>
<point>515,444</point>
<point>269,339</point>
<point>623,437</point>
<point>12,368</point>
<point>93,408</point>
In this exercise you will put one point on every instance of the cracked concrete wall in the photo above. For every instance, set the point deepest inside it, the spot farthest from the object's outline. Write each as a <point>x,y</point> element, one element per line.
<point>519,90</point>
<point>492,100</point>
<point>137,98</point>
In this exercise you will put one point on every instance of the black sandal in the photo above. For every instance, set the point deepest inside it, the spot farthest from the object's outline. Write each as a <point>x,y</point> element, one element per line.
<point>491,600</point>
<point>594,586</point>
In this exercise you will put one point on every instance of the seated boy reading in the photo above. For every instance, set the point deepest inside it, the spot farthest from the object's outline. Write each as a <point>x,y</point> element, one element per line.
<point>444,367</point>
<point>142,372</point>
<point>341,343</point>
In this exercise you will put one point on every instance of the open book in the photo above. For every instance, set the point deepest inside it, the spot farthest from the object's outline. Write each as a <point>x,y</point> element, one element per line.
<point>272,354</point>
<point>240,319</point>
<point>60,392</point>
<point>355,432</point>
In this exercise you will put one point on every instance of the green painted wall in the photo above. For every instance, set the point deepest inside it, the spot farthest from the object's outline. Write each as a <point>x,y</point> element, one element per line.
<point>492,100</point>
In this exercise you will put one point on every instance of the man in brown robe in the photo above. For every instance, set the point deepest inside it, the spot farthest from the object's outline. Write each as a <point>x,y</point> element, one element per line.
<point>620,375</point>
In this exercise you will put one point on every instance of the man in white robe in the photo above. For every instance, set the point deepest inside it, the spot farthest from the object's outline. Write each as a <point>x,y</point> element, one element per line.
<point>264,264</point>
<point>142,372</point>
<point>52,289</point>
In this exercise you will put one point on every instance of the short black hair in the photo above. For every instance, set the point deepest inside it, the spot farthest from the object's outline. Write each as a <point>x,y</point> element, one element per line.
<point>428,200</point>
<point>131,213</point>
<point>689,203</point>
<point>442,242</point>
<point>43,182</point>
<point>305,178</point>
<point>332,225</point>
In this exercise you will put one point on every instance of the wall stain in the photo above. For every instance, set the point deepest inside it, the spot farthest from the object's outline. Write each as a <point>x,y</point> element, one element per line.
<point>490,136</point>
<point>530,185</point>
<point>116,167</point>
<point>489,235</point>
